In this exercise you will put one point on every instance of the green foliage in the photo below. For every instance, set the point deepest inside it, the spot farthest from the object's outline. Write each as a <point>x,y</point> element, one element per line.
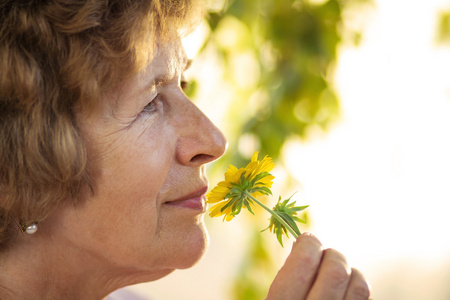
<point>191,89</point>
<point>293,44</point>
<point>278,58</point>
<point>443,30</point>
<point>254,278</point>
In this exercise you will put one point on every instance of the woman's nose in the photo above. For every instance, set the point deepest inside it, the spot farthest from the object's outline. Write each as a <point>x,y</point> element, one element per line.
<point>199,140</point>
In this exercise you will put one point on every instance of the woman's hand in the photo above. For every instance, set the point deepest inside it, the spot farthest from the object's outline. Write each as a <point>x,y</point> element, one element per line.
<point>310,272</point>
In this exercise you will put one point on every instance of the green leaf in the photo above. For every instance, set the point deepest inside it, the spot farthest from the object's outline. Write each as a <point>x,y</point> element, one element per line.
<point>248,206</point>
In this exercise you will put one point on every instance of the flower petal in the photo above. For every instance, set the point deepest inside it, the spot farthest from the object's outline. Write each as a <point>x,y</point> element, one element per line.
<point>233,175</point>
<point>216,211</point>
<point>255,156</point>
<point>218,193</point>
<point>255,178</point>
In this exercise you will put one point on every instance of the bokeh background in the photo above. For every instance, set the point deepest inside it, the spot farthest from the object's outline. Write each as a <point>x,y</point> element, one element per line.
<point>352,99</point>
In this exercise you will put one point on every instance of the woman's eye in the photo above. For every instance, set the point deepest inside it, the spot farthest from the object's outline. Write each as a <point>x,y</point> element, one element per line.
<point>151,106</point>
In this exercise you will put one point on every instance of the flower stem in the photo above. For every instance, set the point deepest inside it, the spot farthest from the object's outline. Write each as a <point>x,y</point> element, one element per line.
<point>274,214</point>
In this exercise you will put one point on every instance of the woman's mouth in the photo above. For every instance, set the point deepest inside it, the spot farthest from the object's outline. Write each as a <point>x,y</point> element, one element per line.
<point>194,200</point>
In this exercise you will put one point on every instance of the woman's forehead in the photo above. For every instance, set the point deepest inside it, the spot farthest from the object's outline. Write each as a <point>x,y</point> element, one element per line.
<point>167,63</point>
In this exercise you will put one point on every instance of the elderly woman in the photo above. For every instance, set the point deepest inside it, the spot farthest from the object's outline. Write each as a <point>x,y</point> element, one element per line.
<point>102,180</point>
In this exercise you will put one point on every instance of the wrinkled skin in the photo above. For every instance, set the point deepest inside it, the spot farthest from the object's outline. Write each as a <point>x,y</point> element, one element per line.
<point>311,272</point>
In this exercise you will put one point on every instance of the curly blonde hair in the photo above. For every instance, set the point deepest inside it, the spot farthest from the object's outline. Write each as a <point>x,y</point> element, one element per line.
<point>57,56</point>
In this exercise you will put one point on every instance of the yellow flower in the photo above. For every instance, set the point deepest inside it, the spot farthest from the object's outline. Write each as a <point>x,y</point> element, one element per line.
<point>230,195</point>
<point>241,188</point>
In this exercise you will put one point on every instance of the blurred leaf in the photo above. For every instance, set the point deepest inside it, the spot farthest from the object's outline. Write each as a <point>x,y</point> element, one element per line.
<point>278,58</point>
<point>295,45</point>
<point>443,30</point>
<point>191,89</point>
<point>255,273</point>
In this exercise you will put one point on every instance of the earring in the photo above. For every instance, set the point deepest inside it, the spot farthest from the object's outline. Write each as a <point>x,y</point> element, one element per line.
<point>30,229</point>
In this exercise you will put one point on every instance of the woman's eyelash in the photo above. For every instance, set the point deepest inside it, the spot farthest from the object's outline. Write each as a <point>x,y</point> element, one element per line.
<point>184,84</point>
<point>151,105</point>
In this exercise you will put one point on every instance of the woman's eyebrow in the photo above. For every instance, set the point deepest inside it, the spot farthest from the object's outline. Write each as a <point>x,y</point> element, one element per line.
<point>160,79</point>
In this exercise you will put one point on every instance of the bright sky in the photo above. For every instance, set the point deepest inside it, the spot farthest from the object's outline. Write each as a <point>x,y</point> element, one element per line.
<point>378,183</point>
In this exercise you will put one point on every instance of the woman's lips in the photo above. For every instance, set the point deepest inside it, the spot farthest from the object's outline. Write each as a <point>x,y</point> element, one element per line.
<point>195,200</point>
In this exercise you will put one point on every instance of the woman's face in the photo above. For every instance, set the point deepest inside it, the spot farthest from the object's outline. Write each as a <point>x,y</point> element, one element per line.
<point>147,146</point>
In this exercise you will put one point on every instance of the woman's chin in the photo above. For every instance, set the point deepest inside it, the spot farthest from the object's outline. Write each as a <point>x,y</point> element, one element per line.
<point>195,249</point>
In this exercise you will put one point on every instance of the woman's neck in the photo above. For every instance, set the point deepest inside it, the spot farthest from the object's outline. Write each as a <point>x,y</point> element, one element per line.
<point>41,266</point>
<point>36,267</point>
<point>47,265</point>
<point>31,270</point>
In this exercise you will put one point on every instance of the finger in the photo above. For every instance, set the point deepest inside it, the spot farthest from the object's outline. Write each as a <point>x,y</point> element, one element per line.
<point>333,277</point>
<point>359,288</point>
<point>295,278</point>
